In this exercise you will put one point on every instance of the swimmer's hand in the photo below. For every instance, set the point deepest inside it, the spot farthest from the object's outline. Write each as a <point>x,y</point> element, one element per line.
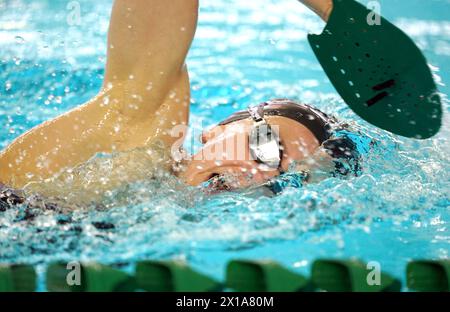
<point>322,8</point>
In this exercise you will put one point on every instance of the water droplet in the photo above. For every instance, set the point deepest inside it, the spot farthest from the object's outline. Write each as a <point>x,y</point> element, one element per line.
<point>20,40</point>
<point>301,263</point>
<point>8,85</point>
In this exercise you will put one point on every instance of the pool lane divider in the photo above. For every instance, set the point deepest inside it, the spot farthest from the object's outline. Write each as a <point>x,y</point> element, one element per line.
<point>17,278</point>
<point>173,276</point>
<point>349,276</point>
<point>267,276</point>
<point>428,275</point>
<point>241,275</point>
<point>93,277</point>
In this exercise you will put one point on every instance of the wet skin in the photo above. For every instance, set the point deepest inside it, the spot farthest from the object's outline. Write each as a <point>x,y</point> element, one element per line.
<point>226,152</point>
<point>145,92</point>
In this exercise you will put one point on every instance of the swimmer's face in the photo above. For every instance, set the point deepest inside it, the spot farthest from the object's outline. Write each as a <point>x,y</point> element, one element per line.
<point>225,158</point>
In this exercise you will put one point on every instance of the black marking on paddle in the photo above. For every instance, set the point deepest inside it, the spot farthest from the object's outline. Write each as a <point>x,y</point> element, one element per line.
<point>377,98</point>
<point>384,85</point>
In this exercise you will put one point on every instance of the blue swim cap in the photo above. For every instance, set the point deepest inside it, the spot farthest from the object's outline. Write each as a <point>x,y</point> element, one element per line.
<point>289,179</point>
<point>346,148</point>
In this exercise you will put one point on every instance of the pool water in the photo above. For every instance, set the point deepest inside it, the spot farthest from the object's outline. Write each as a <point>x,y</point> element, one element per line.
<point>244,53</point>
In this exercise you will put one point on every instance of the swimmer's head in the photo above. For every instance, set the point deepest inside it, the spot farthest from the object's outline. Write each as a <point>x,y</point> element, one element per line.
<point>251,147</point>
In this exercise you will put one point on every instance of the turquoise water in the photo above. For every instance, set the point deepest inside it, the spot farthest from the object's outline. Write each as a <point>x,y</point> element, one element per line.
<point>244,53</point>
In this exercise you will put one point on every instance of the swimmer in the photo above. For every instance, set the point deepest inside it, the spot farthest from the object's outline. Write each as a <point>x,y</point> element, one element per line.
<point>146,93</point>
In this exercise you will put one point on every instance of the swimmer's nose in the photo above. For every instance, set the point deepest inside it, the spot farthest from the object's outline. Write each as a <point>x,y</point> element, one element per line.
<point>201,171</point>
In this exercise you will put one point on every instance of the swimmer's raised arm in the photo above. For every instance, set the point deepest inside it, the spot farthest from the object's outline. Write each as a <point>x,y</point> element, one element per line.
<point>147,44</point>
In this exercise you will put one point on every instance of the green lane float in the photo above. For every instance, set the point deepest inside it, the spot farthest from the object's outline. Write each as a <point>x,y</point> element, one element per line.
<point>172,276</point>
<point>241,275</point>
<point>245,275</point>
<point>17,277</point>
<point>351,276</point>
<point>87,277</point>
<point>426,275</point>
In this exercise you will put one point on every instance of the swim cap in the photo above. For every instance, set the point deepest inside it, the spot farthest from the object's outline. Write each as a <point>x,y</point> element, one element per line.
<point>319,123</point>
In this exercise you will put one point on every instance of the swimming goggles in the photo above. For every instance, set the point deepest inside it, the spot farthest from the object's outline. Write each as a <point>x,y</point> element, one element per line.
<point>264,140</point>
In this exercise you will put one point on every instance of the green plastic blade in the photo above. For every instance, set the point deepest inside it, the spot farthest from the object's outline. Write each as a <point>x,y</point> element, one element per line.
<point>17,278</point>
<point>349,276</point>
<point>428,275</point>
<point>93,278</point>
<point>378,71</point>
<point>245,275</point>
<point>172,276</point>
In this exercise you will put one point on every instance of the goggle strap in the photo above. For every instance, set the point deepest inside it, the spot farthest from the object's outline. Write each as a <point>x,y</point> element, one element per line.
<point>257,112</point>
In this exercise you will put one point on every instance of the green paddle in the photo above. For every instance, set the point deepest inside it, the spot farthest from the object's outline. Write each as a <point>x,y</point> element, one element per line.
<point>378,71</point>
